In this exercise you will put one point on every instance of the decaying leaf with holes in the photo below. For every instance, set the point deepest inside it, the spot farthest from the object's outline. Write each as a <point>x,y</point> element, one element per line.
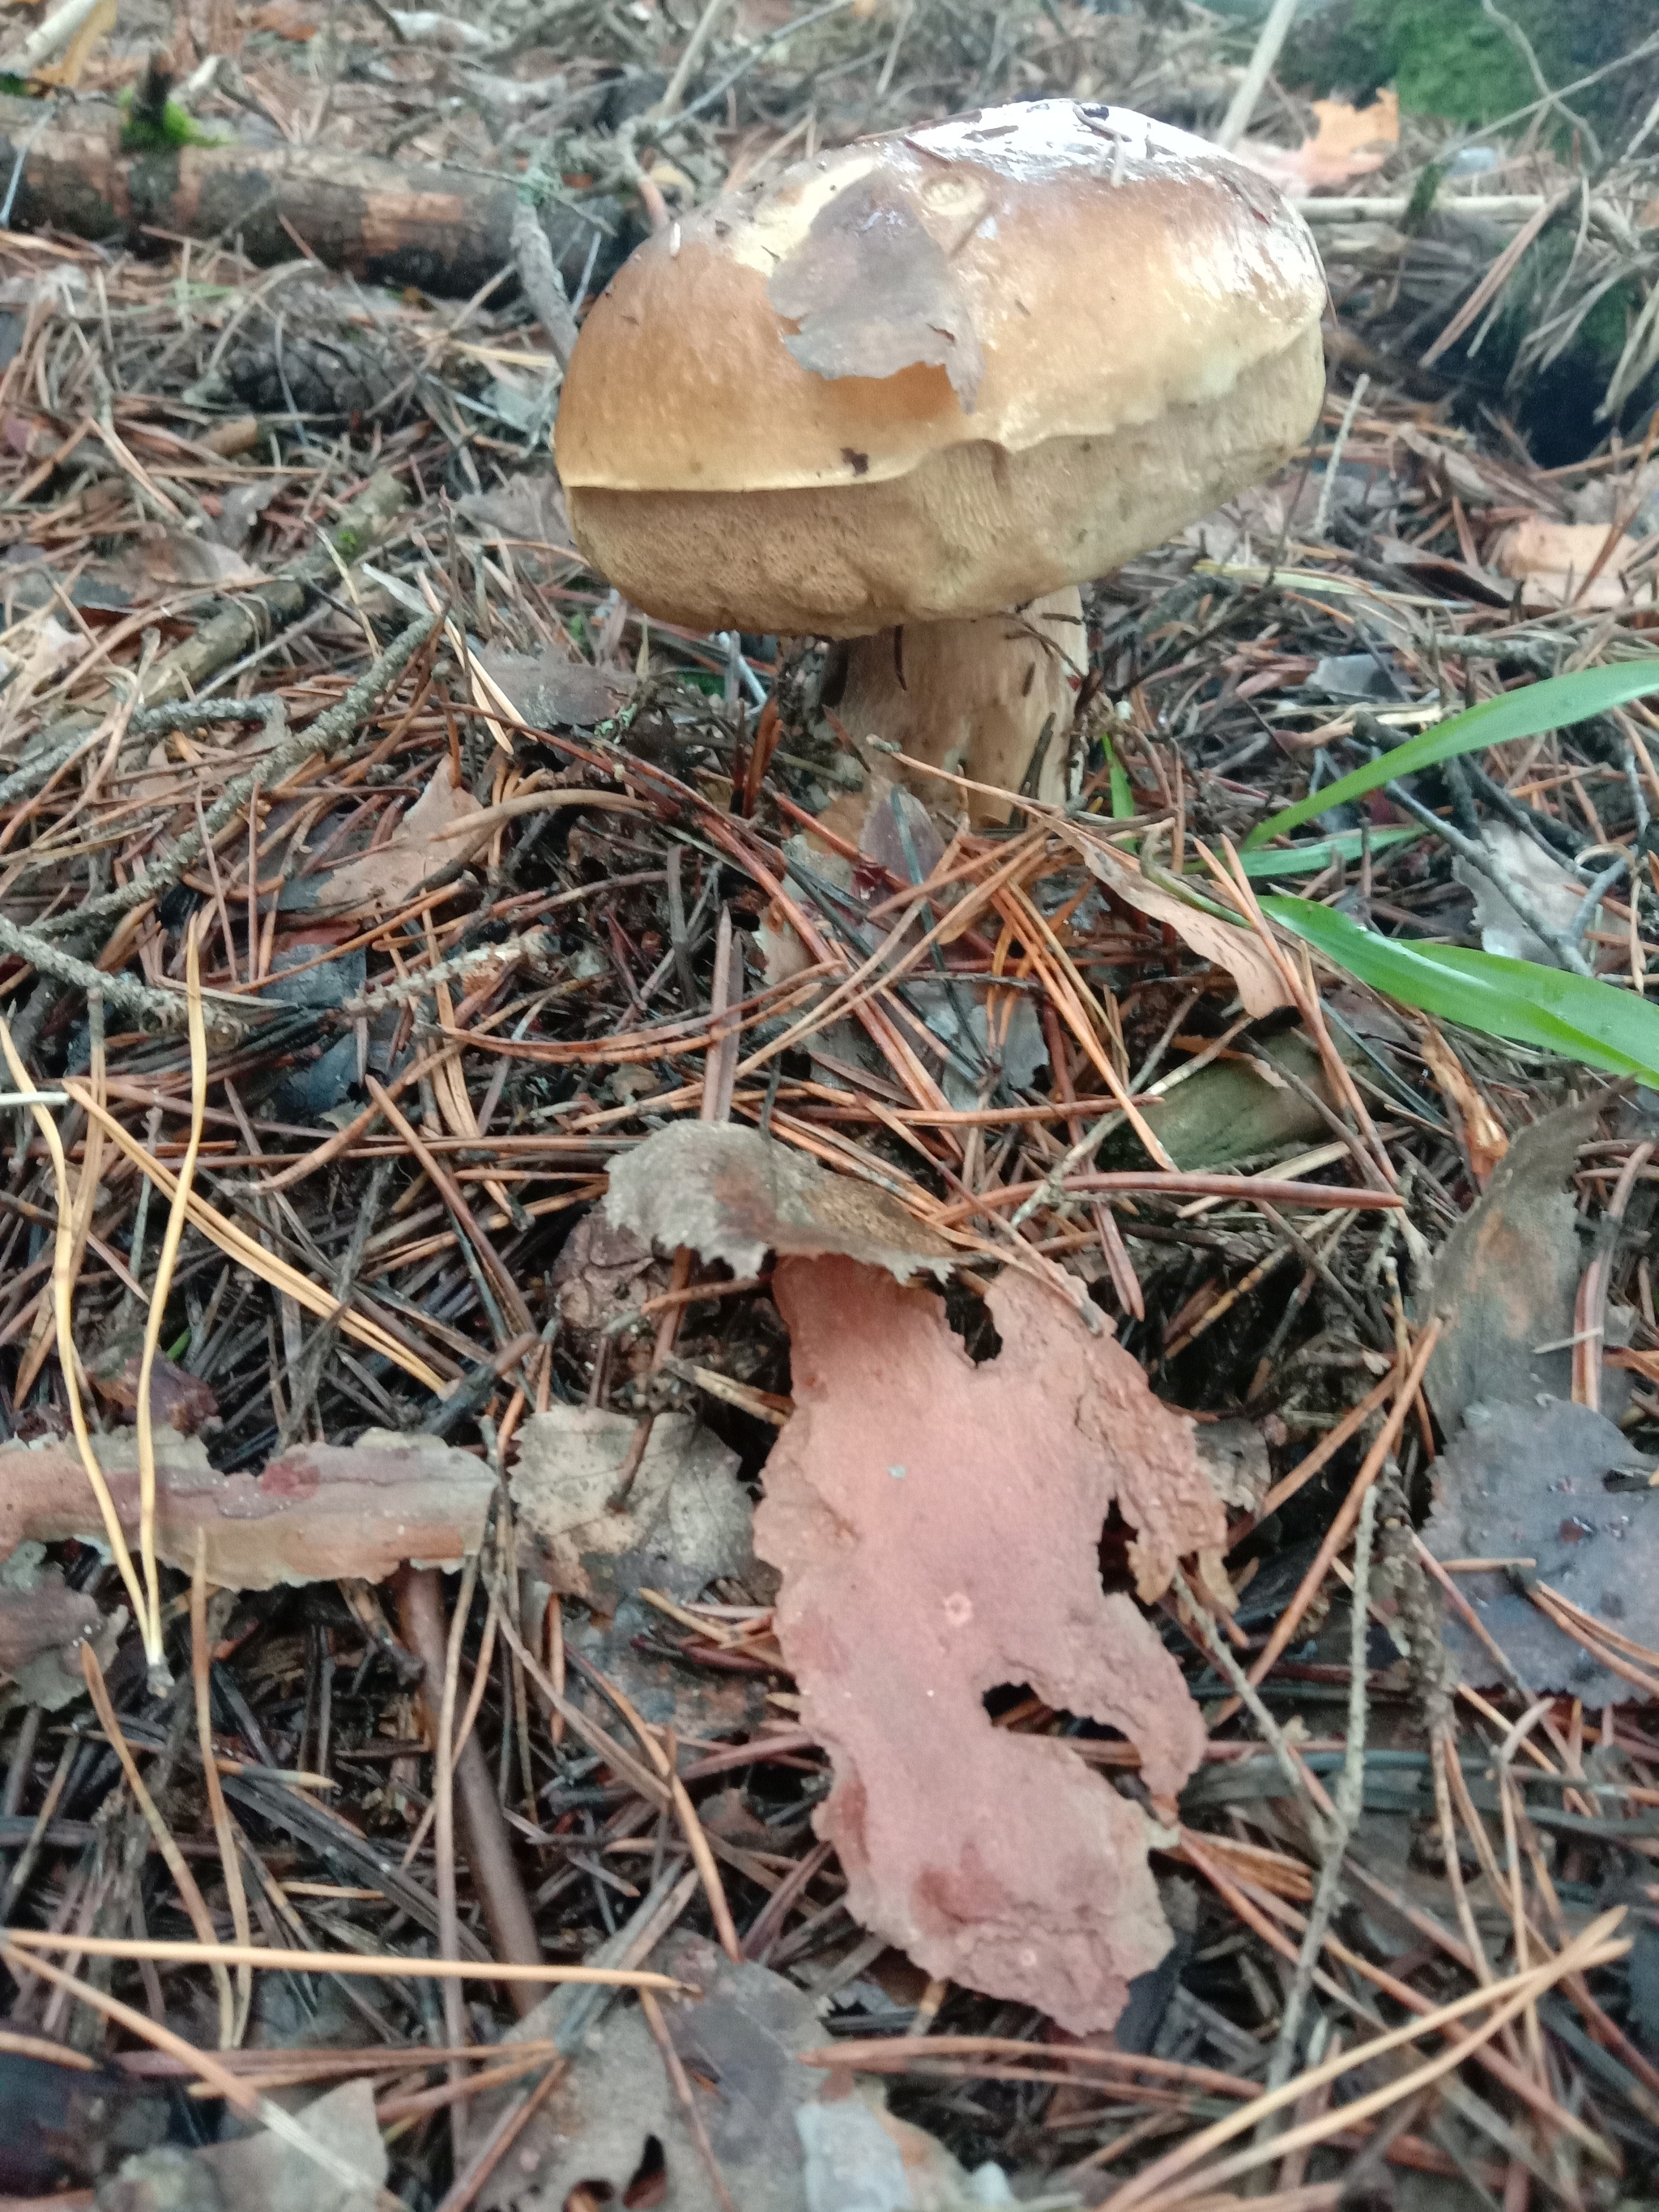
<point>938,1521</point>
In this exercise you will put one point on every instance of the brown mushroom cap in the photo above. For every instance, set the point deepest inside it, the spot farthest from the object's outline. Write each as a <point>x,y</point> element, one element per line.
<point>933,374</point>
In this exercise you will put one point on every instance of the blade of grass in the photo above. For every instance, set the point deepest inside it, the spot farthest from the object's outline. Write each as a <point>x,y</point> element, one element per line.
<point>1554,704</point>
<point>170,1242</point>
<point>1519,1000</point>
<point>1310,859</point>
<point>63,1296</point>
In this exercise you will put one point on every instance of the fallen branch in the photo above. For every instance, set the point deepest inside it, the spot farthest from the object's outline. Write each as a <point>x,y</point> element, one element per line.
<point>392,223</point>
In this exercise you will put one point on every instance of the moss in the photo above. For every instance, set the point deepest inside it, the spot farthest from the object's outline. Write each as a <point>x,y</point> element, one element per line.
<point>1448,58</point>
<point>145,130</point>
<point>349,542</point>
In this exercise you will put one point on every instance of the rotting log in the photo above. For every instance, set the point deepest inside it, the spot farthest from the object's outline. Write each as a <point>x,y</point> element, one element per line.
<point>390,222</point>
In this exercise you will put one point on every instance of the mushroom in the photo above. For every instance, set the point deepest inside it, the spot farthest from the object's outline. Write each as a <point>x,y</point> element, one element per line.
<point>911,394</point>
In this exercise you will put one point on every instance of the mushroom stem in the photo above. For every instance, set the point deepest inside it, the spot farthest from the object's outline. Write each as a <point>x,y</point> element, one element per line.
<point>990,698</point>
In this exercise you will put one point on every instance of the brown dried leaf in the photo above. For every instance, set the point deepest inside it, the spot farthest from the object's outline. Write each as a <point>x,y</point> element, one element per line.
<point>178,1399</point>
<point>390,876</point>
<point>1529,1481</point>
<point>1349,141</point>
<point>164,560</point>
<point>872,292</point>
<point>734,1196</point>
<point>285,18</point>
<point>1483,1132</point>
<point>937,1524</point>
<point>1244,957</point>
<point>1554,559</point>
<point>596,1277</point>
<point>317,1512</point>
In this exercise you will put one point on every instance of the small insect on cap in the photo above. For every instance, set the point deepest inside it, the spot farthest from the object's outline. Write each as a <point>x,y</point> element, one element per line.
<point>935,373</point>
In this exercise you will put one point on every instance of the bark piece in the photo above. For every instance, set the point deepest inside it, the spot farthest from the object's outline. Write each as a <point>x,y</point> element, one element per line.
<point>317,1512</point>
<point>938,1523</point>
<point>395,223</point>
<point>735,1195</point>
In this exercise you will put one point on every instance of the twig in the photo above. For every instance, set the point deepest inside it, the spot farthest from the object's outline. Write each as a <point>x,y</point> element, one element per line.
<point>1242,106</point>
<point>1349,1799</point>
<point>229,1857</point>
<point>1327,488</point>
<point>273,769</point>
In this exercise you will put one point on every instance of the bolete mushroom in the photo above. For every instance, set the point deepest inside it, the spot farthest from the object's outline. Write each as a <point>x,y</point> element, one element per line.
<point>912,394</point>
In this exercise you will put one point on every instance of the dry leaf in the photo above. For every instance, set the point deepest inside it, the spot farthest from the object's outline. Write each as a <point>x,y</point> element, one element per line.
<point>937,1524</point>
<point>1451,465</point>
<point>1243,954</point>
<point>283,19</point>
<point>317,1512</point>
<point>527,506</point>
<point>774,2125</point>
<point>1548,887</point>
<point>687,1518</point>
<point>46,1617</point>
<point>178,1399</point>
<point>265,2173</point>
<point>1349,141</point>
<point>1507,1277</point>
<point>872,292</point>
<point>596,1277</point>
<point>1530,1482</point>
<point>1483,1132</point>
<point>734,1196</point>
<point>390,876</point>
<point>163,560</point>
<point>550,691</point>
<point>1553,560</point>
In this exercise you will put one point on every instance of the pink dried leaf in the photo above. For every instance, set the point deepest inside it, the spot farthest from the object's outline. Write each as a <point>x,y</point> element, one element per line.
<point>937,1524</point>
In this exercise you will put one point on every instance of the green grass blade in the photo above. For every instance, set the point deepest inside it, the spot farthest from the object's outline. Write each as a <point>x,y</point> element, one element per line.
<point>1555,703</point>
<point>1576,1016</point>
<point>1123,798</point>
<point>1308,859</point>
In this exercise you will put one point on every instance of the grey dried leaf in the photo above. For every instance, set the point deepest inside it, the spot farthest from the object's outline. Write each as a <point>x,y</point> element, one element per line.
<point>687,1518</point>
<point>873,293</point>
<point>550,690</point>
<point>735,1195</point>
<point>42,1618</point>
<point>527,506</point>
<point>1530,1482</point>
<point>1507,1277</point>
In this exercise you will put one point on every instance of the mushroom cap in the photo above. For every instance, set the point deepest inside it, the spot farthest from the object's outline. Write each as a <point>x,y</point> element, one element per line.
<point>934,373</point>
